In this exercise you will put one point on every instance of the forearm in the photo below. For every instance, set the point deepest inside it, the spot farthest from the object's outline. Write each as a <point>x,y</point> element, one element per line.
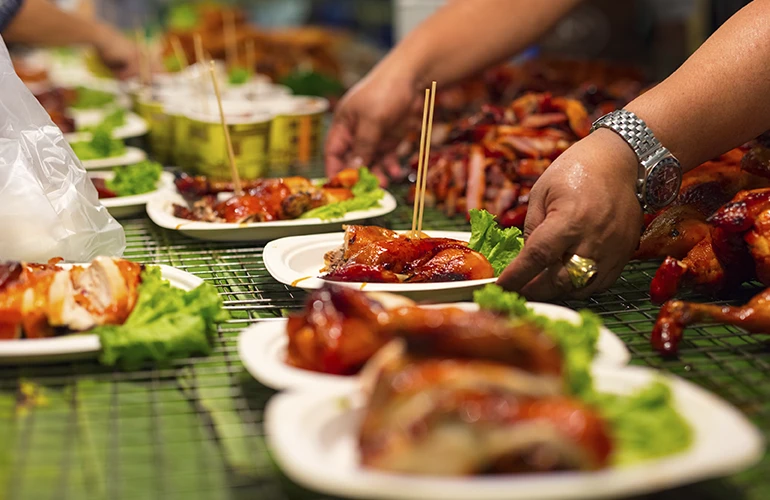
<point>40,22</point>
<point>719,98</point>
<point>466,36</point>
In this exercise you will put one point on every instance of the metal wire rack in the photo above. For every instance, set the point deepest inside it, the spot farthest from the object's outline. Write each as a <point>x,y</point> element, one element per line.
<point>193,429</point>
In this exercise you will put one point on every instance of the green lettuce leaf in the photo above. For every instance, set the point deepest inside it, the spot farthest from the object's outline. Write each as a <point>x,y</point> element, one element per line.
<point>366,194</point>
<point>644,425</point>
<point>166,323</point>
<point>499,246</point>
<point>238,76</point>
<point>101,145</point>
<point>87,98</point>
<point>135,179</point>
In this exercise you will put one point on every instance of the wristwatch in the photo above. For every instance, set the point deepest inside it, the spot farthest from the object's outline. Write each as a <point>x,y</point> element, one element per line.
<point>660,174</point>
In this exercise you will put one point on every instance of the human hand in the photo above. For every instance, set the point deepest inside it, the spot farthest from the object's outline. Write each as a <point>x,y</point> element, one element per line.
<point>585,203</point>
<point>367,118</point>
<point>120,54</point>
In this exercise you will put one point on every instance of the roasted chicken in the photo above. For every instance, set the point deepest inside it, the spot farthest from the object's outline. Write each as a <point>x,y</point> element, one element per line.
<point>676,230</point>
<point>677,315</point>
<point>376,255</point>
<point>735,250</point>
<point>263,200</point>
<point>473,393</point>
<point>45,300</point>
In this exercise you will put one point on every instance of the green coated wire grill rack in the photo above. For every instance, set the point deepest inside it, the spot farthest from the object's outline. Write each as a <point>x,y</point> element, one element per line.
<point>193,430</point>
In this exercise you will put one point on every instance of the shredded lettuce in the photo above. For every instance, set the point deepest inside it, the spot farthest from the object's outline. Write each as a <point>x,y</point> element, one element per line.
<point>366,194</point>
<point>166,323</point>
<point>499,246</point>
<point>644,425</point>
<point>87,98</point>
<point>135,179</point>
<point>101,145</point>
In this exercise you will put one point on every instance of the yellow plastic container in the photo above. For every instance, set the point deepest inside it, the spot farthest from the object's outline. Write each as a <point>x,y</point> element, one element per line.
<point>159,136</point>
<point>297,133</point>
<point>249,132</point>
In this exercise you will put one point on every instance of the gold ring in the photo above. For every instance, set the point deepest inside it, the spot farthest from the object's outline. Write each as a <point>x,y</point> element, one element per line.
<point>581,270</point>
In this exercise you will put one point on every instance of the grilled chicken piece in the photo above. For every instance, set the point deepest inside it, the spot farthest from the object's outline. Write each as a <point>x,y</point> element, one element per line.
<point>356,238</point>
<point>44,300</point>
<point>337,332</point>
<point>464,417</point>
<point>455,333</point>
<point>677,315</point>
<point>454,264</point>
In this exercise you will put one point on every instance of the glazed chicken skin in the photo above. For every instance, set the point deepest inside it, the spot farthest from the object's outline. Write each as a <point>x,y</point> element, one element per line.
<point>371,254</point>
<point>263,200</point>
<point>736,250</point>
<point>466,403</point>
<point>676,315</point>
<point>39,301</point>
<point>341,328</point>
<point>676,230</point>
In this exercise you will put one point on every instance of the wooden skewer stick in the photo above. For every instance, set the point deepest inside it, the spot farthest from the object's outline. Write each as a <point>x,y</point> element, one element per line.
<point>418,183</point>
<point>199,59</point>
<point>140,53</point>
<point>427,156</point>
<point>230,154</point>
<point>251,57</point>
<point>231,42</point>
<point>179,52</point>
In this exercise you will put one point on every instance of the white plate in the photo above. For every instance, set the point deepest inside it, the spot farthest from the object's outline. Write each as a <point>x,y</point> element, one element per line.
<point>128,206</point>
<point>161,212</point>
<point>297,261</point>
<point>80,346</point>
<point>135,125</point>
<point>313,437</point>
<point>131,156</point>
<point>262,348</point>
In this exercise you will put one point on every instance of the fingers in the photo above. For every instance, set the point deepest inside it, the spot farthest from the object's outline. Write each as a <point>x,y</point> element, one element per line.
<point>544,248</point>
<point>552,283</point>
<point>367,142</point>
<point>338,144</point>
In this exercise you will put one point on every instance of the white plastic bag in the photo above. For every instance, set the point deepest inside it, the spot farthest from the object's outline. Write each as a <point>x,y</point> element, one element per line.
<point>48,205</point>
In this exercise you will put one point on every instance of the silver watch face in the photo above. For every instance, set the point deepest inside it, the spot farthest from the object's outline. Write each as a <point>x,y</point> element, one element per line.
<point>662,183</point>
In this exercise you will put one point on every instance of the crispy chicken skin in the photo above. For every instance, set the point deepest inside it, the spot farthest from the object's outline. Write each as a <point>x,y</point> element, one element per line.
<point>377,255</point>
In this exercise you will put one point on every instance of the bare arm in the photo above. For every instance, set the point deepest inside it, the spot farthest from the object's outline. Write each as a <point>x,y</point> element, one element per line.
<point>718,99</point>
<point>40,22</point>
<point>467,36</point>
<point>462,38</point>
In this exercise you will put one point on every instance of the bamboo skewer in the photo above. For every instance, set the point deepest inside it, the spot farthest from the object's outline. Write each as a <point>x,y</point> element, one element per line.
<point>179,52</point>
<point>427,156</point>
<point>418,183</point>
<point>251,57</point>
<point>231,42</point>
<point>230,154</point>
<point>199,59</point>
<point>144,77</point>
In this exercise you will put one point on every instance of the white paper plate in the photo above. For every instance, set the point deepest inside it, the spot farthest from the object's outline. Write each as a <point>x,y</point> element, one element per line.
<point>161,212</point>
<point>298,260</point>
<point>71,347</point>
<point>128,206</point>
<point>262,348</point>
<point>313,437</point>
<point>135,125</point>
<point>131,156</point>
